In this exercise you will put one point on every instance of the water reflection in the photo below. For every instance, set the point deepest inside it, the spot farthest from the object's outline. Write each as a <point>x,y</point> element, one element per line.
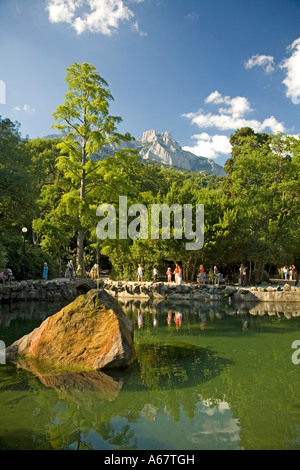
<point>151,407</point>
<point>140,319</point>
<point>70,383</point>
<point>173,366</point>
<point>179,312</point>
<point>288,309</point>
<point>204,378</point>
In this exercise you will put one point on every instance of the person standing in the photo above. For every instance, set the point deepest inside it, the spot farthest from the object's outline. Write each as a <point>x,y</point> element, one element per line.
<point>243,276</point>
<point>201,278</point>
<point>45,271</point>
<point>79,271</point>
<point>71,269</point>
<point>155,273</point>
<point>179,278</point>
<point>140,273</point>
<point>176,272</point>
<point>217,277</point>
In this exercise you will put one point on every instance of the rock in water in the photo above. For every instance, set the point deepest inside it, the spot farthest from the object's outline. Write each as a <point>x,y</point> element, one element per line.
<point>90,333</point>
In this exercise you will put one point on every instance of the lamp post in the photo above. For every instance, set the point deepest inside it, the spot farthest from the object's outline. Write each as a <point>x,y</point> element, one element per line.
<point>24,231</point>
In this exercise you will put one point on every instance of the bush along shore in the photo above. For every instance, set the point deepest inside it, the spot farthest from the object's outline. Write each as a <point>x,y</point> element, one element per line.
<point>64,289</point>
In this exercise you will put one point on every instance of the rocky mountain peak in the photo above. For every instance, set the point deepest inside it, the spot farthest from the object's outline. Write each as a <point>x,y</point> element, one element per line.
<point>149,136</point>
<point>162,148</point>
<point>164,138</point>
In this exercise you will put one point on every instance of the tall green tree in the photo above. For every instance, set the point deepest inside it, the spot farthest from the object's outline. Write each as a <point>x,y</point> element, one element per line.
<point>263,182</point>
<point>16,192</point>
<point>86,127</point>
<point>16,195</point>
<point>52,231</point>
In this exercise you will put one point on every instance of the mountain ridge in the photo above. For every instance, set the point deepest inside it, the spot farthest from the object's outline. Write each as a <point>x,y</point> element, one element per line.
<point>161,148</point>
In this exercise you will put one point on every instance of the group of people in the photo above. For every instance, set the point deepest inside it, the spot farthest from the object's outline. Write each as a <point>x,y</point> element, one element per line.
<point>176,276</point>
<point>72,273</point>
<point>177,273</point>
<point>213,276</point>
<point>287,273</point>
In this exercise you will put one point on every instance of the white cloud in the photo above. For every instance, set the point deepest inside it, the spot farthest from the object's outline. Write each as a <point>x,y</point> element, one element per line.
<point>209,146</point>
<point>232,117</point>
<point>227,122</point>
<point>26,108</point>
<point>229,118</point>
<point>62,10</point>
<point>96,16</point>
<point>192,16</point>
<point>264,61</point>
<point>135,27</point>
<point>237,106</point>
<point>292,67</point>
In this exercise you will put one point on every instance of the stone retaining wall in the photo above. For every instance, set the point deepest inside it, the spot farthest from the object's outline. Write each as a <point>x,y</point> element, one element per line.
<point>194,291</point>
<point>63,289</point>
<point>37,290</point>
<point>286,293</point>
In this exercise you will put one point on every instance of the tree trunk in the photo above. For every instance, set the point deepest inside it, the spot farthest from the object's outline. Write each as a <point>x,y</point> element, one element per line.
<point>297,266</point>
<point>194,270</point>
<point>258,271</point>
<point>59,273</point>
<point>187,269</point>
<point>80,249</point>
<point>80,234</point>
<point>250,273</point>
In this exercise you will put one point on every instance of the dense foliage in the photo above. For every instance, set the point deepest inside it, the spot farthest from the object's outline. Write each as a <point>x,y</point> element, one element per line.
<point>252,215</point>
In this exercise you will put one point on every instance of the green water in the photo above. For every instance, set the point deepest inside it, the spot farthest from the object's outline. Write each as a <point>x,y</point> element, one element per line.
<point>220,378</point>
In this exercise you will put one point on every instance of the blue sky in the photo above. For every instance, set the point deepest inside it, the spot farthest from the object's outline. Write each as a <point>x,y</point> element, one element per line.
<point>200,69</point>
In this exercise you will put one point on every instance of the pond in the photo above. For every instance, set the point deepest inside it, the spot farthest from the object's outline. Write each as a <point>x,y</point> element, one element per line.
<point>207,376</point>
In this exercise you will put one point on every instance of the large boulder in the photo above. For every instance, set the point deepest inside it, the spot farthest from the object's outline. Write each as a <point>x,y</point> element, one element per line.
<point>91,333</point>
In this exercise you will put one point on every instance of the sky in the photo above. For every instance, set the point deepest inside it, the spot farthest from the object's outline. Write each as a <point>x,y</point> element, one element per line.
<point>199,69</point>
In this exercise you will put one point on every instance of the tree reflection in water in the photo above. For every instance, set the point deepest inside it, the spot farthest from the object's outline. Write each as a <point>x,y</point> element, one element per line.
<point>202,384</point>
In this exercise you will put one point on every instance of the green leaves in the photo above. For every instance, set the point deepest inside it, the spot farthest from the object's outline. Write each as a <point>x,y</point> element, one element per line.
<point>56,185</point>
<point>264,183</point>
<point>86,126</point>
<point>16,190</point>
<point>84,118</point>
